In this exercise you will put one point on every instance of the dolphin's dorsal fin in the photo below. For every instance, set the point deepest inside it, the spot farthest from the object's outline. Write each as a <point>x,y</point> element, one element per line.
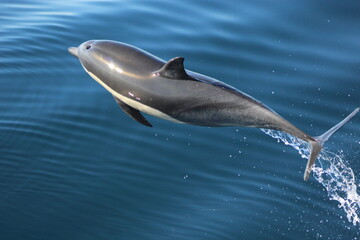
<point>174,69</point>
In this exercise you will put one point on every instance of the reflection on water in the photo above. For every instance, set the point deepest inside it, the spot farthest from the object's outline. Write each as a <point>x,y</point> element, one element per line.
<point>73,166</point>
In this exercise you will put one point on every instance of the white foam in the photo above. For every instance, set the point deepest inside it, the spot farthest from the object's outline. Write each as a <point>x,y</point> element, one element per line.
<point>332,172</point>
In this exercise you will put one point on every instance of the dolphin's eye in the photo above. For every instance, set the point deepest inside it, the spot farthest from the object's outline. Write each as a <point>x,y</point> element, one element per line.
<point>88,46</point>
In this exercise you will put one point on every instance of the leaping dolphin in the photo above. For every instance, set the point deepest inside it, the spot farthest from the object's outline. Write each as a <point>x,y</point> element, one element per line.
<point>142,82</point>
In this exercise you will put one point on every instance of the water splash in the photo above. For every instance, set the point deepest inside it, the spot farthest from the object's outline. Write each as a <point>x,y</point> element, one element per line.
<point>332,172</point>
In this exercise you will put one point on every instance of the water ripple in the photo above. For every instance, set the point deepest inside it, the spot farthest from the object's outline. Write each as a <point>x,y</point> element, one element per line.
<point>72,164</point>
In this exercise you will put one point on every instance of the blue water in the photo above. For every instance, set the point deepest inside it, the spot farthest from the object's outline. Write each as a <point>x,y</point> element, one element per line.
<point>74,166</point>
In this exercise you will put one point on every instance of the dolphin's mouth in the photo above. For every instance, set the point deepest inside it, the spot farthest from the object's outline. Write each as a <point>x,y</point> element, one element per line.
<point>73,51</point>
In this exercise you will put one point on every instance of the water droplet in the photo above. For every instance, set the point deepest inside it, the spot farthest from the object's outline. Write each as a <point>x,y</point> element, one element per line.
<point>331,171</point>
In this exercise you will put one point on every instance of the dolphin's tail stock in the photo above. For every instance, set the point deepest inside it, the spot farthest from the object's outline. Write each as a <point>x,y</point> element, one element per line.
<point>317,145</point>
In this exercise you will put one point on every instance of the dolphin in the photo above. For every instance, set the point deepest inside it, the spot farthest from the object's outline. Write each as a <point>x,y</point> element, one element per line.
<point>142,82</point>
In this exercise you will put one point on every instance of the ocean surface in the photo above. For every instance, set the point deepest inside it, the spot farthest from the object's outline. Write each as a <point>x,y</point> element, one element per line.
<point>74,166</point>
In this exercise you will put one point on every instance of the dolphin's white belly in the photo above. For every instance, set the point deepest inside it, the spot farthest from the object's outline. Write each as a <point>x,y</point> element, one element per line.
<point>135,104</point>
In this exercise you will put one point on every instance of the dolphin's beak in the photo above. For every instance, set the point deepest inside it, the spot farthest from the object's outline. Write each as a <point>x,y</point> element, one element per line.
<point>73,51</point>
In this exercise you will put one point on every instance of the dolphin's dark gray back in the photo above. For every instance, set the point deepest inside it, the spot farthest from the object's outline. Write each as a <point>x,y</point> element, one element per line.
<point>198,100</point>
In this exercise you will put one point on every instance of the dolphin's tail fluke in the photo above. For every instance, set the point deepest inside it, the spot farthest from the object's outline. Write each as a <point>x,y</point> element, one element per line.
<point>317,145</point>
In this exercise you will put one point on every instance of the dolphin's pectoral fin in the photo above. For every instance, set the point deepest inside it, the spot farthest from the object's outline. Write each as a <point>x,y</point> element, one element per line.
<point>174,69</point>
<point>133,113</point>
